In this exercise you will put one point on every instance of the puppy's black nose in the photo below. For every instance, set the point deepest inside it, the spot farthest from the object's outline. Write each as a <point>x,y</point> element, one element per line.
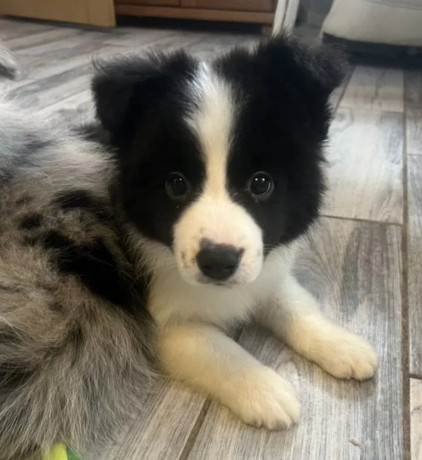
<point>218,261</point>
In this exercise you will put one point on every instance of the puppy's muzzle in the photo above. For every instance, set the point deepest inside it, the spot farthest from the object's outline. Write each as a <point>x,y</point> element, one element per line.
<point>218,261</point>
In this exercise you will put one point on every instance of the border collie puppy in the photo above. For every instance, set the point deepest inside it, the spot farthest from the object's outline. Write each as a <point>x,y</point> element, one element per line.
<point>153,246</point>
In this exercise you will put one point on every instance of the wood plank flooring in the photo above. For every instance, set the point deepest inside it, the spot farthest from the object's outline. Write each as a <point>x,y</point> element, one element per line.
<point>413,143</point>
<point>365,165</point>
<point>354,270</point>
<point>362,261</point>
<point>416,416</point>
<point>413,100</point>
<point>375,88</point>
<point>414,261</point>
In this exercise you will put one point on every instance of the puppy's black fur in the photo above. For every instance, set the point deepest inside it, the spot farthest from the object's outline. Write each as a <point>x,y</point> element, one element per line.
<point>282,90</point>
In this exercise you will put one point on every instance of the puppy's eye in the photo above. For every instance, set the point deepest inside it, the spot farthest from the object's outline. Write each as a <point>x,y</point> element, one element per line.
<point>177,187</point>
<point>261,185</point>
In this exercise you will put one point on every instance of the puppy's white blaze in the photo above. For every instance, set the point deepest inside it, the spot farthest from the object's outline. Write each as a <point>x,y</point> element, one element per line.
<point>214,215</point>
<point>212,123</point>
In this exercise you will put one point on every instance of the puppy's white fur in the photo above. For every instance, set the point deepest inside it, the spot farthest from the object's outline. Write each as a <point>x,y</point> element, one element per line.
<point>215,216</point>
<point>194,348</point>
<point>192,317</point>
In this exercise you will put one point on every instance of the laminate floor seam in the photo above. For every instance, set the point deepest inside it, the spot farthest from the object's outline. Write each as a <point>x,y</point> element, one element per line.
<point>405,350</point>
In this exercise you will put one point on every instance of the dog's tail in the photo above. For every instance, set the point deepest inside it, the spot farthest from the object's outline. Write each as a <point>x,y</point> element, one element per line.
<point>8,66</point>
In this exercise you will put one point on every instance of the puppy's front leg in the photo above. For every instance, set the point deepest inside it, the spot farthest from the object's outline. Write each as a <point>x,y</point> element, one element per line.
<point>293,315</point>
<point>205,358</point>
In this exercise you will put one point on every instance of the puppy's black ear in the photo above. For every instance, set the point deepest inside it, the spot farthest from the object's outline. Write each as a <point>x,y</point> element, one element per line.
<point>123,88</point>
<point>114,85</point>
<point>317,69</point>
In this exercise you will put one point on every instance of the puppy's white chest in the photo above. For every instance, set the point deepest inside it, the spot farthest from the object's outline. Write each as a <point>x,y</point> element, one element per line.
<point>172,300</point>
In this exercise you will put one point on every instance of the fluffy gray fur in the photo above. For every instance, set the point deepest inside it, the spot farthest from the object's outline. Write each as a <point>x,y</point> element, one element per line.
<point>8,65</point>
<point>72,364</point>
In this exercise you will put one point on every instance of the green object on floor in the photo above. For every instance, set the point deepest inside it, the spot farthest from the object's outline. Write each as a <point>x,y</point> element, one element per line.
<point>60,452</point>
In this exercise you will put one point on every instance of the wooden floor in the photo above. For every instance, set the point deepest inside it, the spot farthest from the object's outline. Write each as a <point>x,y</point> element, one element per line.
<point>363,261</point>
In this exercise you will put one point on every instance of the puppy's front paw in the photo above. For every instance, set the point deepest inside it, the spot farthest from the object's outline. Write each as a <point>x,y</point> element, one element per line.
<point>347,356</point>
<point>264,399</point>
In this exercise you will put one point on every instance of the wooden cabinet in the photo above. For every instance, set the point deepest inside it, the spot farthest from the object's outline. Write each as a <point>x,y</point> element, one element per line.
<point>92,12</point>
<point>153,2</point>
<point>102,12</point>
<point>259,11</point>
<point>235,5</point>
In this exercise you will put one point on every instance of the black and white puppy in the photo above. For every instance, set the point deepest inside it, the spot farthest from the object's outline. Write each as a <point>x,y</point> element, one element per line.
<point>221,172</point>
<point>192,217</point>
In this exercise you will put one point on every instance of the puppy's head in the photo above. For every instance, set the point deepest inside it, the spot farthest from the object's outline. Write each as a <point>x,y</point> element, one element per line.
<point>221,162</point>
